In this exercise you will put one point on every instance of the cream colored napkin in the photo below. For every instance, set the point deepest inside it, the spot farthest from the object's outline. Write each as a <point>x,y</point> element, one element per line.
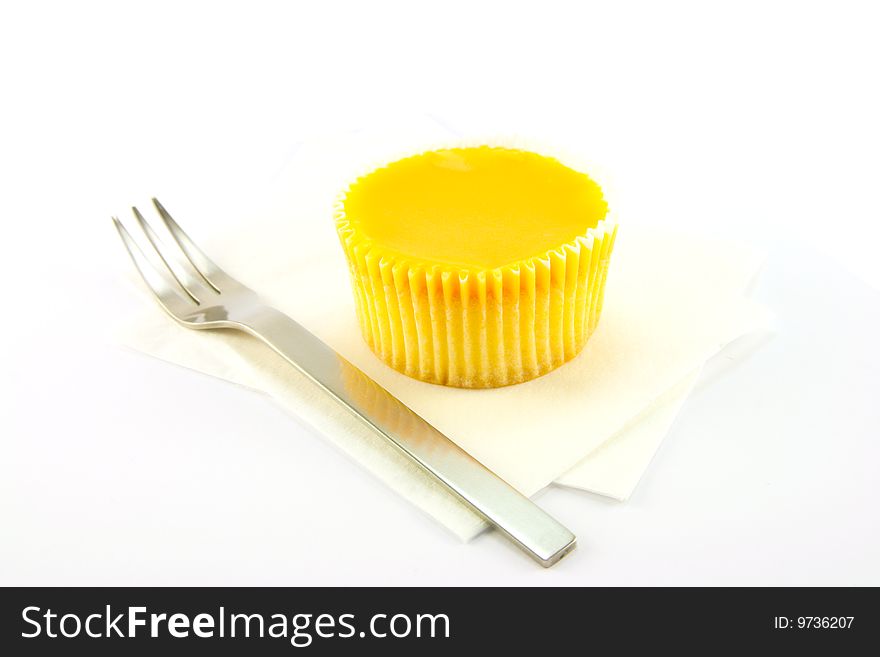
<point>671,303</point>
<point>615,468</point>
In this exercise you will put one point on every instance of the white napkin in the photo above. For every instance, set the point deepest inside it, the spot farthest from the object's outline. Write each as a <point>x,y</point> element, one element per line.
<point>671,303</point>
<point>614,469</point>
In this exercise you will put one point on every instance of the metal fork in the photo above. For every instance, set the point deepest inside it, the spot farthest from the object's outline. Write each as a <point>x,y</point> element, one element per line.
<point>200,295</point>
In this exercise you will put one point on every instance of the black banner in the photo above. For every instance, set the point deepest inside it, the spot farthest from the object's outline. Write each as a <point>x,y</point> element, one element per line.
<point>169,621</point>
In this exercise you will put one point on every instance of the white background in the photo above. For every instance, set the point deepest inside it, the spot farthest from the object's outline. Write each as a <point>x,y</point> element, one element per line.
<point>749,120</point>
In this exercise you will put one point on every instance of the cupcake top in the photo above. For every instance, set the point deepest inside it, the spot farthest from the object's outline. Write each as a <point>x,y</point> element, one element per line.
<point>473,208</point>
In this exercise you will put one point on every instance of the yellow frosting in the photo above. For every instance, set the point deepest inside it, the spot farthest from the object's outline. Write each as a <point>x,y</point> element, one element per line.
<point>476,267</point>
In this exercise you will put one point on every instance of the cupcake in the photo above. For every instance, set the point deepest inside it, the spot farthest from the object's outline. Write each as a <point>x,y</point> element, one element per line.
<point>476,267</point>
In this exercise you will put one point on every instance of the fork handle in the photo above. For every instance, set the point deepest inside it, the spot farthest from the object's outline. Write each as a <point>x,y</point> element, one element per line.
<point>520,519</point>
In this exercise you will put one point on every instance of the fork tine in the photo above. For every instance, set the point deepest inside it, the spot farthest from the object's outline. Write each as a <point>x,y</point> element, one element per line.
<point>159,285</point>
<point>202,263</point>
<point>187,283</point>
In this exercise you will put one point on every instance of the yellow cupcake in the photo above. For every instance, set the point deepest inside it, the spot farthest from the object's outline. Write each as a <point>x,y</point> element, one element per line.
<point>476,267</point>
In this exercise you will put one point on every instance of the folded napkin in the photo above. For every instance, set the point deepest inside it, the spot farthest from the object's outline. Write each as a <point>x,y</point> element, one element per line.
<point>671,303</point>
